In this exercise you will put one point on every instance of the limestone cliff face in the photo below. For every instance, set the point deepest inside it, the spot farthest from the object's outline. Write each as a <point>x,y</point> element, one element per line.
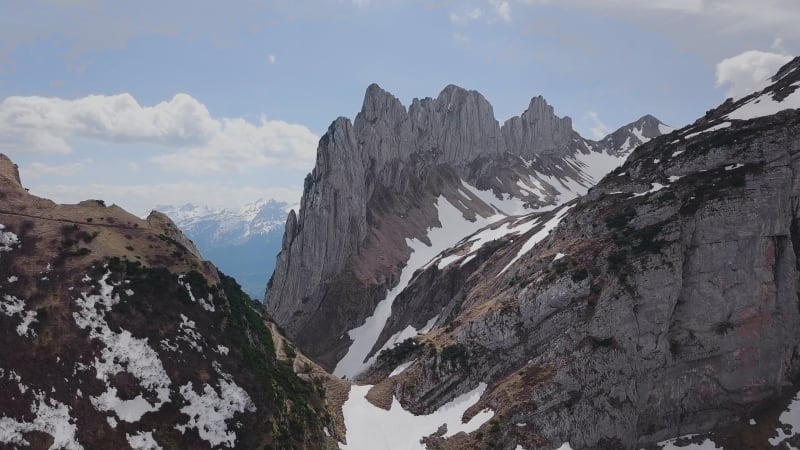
<point>539,131</point>
<point>663,303</point>
<point>376,183</point>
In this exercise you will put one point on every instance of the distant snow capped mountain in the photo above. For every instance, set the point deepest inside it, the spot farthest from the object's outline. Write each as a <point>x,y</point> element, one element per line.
<point>230,226</point>
<point>241,242</point>
<point>634,134</point>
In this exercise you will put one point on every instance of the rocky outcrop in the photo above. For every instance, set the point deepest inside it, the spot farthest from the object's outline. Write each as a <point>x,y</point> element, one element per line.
<point>9,170</point>
<point>377,182</point>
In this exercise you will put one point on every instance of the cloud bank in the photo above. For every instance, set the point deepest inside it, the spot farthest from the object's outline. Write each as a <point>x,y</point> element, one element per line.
<point>747,71</point>
<point>193,139</point>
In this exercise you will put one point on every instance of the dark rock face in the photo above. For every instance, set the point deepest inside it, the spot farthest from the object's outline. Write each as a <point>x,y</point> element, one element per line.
<point>375,184</point>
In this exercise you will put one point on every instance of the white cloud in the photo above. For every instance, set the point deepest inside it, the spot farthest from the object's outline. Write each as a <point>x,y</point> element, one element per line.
<point>502,9</point>
<point>140,199</point>
<point>241,146</point>
<point>729,17</point>
<point>747,71</point>
<point>466,17</point>
<point>197,141</point>
<point>599,129</point>
<point>271,59</point>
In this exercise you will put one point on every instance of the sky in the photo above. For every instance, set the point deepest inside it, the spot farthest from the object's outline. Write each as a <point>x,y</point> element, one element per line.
<point>215,103</point>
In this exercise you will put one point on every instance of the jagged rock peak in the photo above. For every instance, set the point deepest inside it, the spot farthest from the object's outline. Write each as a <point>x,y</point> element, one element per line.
<point>9,170</point>
<point>381,104</point>
<point>539,130</point>
<point>539,108</point>
<point>650,126</point>
<point>455,92</point>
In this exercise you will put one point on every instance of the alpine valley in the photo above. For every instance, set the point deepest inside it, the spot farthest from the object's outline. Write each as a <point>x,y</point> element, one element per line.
<point>448,282</point>
<point>242,242</point>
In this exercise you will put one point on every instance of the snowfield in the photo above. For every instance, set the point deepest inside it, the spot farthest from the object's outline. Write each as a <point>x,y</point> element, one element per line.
<point>370,427</point>
<point>765,105</point>
<point>454,228</point>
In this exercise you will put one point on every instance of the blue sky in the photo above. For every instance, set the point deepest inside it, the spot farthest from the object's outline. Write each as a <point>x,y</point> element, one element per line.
<point>222,103</point>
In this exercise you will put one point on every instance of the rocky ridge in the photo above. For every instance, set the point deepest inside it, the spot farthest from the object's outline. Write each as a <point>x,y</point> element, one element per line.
<point>382,180</point>
<point>116,334</point>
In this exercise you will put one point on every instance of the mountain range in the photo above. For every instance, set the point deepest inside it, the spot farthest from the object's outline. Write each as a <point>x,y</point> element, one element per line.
<point>448,282</point>
<point>561,294</point>
<point>386,179</point>
<point>242,242</point>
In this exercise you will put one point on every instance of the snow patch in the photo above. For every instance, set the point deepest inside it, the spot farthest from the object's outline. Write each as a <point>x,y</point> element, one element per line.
<point>370,427</point>
<point>733,167</point>
<point>789,417</point>
<point>52,417</point>
<point>655,187</point>
<point>766,105</point>
<point>8,240</point>
<point>505,206</point>
<point>454,227</point>
<point>142,441</point>
<point>209,411</point>
<point>705,445</point>
<point>208,305</point>
<point>12,306</point>
<point>717,127</point>
<point>665,129</point>
<point>539,236</point>
<point>121,353</point>
<point>639,133</point>
<point>626,145</point>
<point>402,367</point>
<point>478,240</point>
<point>190,334</point>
